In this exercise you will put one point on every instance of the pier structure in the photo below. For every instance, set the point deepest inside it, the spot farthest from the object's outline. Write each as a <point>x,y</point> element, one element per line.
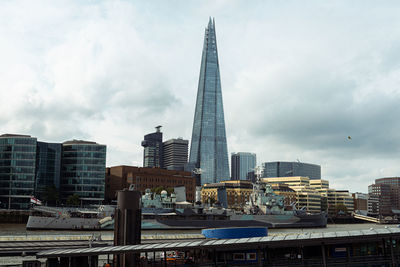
<point>370,247</point>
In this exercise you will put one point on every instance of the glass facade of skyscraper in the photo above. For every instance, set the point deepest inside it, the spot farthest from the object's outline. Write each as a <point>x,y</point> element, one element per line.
<point>153,149</point>
<point>48,167</point>
<point>17,170</point>
<point>83,171</point>
<point>288,169</point>
<point>243,166</point>
<point>208,150</point>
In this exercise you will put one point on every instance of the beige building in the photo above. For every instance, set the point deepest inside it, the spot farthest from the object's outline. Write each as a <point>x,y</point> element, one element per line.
<point>284,190</point>
<point>315,194</point>
<point>237,192</point>
<point>306,196</point>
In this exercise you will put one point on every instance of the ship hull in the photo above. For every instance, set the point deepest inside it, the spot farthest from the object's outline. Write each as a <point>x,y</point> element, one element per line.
<point>59,223</point>
<point>166,223</point>
<point>270,221</point>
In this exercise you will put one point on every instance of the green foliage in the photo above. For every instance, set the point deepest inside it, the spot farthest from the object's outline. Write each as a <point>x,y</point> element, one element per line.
<point>170,190</point>
<point>340,209</point>
<point>74,200</point>
<point>51,196</point>
<point>157,189</point>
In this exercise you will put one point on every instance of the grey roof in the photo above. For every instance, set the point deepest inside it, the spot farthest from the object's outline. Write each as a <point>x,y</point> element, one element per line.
<point>16,135</point>
<point>238,243</point>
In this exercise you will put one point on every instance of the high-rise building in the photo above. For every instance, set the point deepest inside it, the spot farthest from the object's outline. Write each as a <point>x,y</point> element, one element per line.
<point>243,165</point>
<point>387,191</point>
<point>208,149</point>
<point>394,183</point>
<point>48,167</point>
<point>17,170</point>
<point>382,192</point>
<point>286,169</point>
<point>83,171</point>
<point>153,149</point>
<point>175,154</point>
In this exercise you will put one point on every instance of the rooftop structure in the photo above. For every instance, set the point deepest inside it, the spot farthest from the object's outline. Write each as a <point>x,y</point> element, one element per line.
<point>285,169</point>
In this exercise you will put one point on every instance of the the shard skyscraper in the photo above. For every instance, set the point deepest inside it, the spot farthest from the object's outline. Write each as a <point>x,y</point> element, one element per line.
<point>208,151</point>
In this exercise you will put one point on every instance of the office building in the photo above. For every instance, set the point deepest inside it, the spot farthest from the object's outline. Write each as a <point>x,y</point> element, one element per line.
<point>17,170</point>
<point>383,193</point>
<point>236,193</point>
<point>394,183</point>
<point>153,149</point>
<point>306,196</point>
<point>360,202</point>
<point>373,205</point>
<point>120,177</point>
<point>48,167</point>
<point>287,192</point>
<point>175,154</point>
<point>243,165</point>
<point>83,171</point>
<point>286,169</point>
<point>208,149</point>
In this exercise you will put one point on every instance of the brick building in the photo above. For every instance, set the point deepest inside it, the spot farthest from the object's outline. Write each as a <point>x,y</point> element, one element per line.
<point>120,177</point>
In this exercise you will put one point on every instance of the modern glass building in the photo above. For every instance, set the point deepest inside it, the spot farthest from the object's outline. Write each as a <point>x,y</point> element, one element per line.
<point>153,149</point>
<point>17,170</point>
<point>243,166</point>
<point>208,150</point>
<point>175,154</point>
<point>48,167</point>
<point>83,171</point>
<point>288,169</point>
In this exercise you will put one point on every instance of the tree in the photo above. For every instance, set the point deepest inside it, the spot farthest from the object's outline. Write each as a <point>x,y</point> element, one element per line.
<point>170,190</point>
<point>51,195</point>
<point>340,209</point>
<point>74,200</point>
<point>157,190</point>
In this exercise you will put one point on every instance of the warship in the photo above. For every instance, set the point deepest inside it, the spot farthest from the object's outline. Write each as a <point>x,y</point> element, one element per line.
<point>163,212</point>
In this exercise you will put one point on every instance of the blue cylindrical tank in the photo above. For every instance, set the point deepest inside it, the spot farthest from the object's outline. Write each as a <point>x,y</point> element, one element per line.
<point>235,232</point>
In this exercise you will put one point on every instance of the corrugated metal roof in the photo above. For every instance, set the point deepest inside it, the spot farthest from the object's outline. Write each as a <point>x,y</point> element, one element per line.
<point>342,236</point>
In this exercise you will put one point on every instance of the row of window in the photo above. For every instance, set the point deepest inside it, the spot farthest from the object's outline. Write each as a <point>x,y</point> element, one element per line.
<point>16,170</point>
<point>75,148</point>
<point>17,141</point>
<point>84,168</point>
<point>73,181</point>
<point>12,163</point>
<point>84,161</point>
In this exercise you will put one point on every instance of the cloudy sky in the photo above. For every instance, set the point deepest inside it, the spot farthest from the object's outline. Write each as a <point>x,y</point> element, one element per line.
<point>298,77</point>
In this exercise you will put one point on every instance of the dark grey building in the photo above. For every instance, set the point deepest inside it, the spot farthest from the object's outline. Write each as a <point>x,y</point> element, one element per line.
<point>17,170</point>
<point>83,171</point>
<point>288,169</point>
<point>208,149</point>
<point>243,165</point>
<point>153,149</point>
<point>48,167</point>
<point>175,154</point>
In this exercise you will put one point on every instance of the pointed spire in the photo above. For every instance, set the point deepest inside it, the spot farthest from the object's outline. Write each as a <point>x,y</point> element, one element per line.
<point>211,23</point>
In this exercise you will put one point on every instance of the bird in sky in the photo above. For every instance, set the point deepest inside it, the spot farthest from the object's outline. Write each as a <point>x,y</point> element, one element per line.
<point>349,137</point>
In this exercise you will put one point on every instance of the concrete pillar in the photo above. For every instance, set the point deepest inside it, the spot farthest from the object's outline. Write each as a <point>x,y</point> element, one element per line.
<point>127,225</point>
<point>323,254</point>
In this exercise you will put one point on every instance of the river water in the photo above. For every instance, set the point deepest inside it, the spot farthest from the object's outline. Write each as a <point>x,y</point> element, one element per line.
<point>7,230</point>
